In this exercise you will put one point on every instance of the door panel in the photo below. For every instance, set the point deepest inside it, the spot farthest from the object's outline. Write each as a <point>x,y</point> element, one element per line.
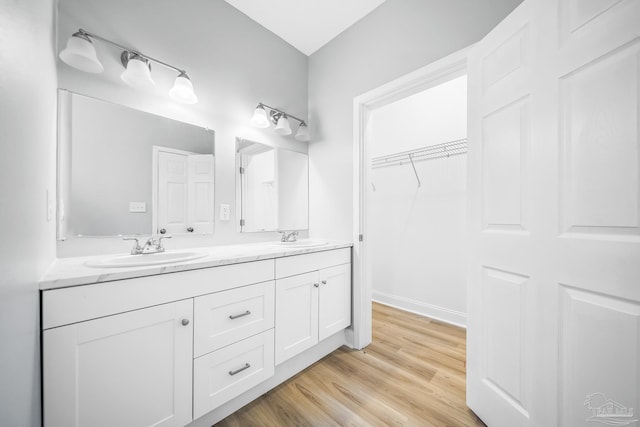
<point>506,140</point>
<point>599,130</point>
<point>172,192</point>
<point>598,346</point>
<point>200,187</point>
<point>499,333</point>
<point>554,302</point>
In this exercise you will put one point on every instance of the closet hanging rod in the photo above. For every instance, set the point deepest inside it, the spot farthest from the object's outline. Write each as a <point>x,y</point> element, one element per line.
<point>437,151</point>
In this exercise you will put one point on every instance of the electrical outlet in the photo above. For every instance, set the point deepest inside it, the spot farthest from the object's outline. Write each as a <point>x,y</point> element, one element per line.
<point>225,212</point>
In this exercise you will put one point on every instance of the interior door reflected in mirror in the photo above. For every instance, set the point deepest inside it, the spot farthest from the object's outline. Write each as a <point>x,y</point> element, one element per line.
<point>183,191</point>
<point>272,187</point>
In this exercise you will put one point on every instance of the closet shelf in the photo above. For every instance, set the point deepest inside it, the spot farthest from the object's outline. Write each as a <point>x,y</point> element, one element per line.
<point>431,152</point>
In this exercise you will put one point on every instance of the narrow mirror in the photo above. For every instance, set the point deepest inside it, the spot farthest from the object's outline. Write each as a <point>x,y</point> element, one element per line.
<point>272,188</point>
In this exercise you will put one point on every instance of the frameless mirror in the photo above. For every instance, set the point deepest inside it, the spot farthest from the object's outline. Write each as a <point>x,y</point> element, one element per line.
<point>272,187</point>
<point>122,171</point>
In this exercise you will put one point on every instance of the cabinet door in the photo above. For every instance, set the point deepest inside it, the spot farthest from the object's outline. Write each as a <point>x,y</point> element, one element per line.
<point>296,315</point>
<point>131,369</point>
<point>334,300</point>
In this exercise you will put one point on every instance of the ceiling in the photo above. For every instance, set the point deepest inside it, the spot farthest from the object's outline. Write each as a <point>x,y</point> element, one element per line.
<point>306,24</point>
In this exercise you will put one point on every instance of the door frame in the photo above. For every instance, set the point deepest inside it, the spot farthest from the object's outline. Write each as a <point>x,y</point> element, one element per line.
<point>438,72</point>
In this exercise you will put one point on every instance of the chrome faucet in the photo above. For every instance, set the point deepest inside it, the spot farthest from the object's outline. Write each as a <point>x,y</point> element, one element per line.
<point>151,246</point>
<point>289,237</point>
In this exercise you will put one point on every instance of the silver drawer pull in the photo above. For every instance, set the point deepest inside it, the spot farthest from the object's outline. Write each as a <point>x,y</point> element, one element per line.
<point>237,371</point>
<point>235,316</point>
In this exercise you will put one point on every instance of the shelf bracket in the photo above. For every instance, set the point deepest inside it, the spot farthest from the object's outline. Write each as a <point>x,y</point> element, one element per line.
<point>414,168</point>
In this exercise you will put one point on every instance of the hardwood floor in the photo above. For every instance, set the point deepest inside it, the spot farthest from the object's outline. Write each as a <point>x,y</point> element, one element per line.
<point>412,374</point>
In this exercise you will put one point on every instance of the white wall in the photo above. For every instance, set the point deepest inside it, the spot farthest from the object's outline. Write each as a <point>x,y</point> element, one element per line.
<point>398,37</point>
<point>233,62</point>
<point>27,156</point>
<point>417,240</point>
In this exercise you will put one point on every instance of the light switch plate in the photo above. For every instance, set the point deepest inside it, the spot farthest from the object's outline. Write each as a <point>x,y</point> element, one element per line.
<point>137,207</point>
<point>225,212</point>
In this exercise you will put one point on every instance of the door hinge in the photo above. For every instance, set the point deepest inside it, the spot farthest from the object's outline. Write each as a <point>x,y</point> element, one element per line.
<point>242,223</point>
<point>360,237</point>
<point>241,170</point>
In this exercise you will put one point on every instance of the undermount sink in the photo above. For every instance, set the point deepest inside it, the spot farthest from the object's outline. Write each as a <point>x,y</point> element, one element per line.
<point>305,243</point>
<point>144,259</point>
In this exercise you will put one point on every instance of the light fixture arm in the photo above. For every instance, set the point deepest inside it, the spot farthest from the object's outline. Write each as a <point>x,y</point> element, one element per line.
<point>280,112</point>
<point>87,34</point>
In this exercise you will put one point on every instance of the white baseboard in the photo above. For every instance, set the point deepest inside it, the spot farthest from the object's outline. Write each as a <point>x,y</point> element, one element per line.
<point>443,314</point>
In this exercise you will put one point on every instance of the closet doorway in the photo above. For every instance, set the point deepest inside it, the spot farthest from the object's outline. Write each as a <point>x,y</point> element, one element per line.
<point>410,182</point>
<point>416,204</point>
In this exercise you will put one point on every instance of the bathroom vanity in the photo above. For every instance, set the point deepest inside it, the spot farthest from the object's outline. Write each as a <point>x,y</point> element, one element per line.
<point>189,341</point>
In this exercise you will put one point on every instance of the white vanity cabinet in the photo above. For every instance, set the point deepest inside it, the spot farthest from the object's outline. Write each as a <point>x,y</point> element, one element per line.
<point>167,349</point>
<point>129,369</point>
<point>313,300</point>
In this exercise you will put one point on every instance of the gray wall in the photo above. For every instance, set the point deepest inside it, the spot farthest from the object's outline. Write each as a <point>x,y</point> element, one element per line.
<point>27,158</point>
<point>396,38</point>
<point>233,62</point>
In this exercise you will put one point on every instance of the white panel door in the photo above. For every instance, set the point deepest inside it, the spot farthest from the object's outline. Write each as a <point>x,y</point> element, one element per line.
<point>132,369</point>
<point>334,300</point>
<point>296,314</point>
<point>554,216</point>
<point>172,192</point>
<point>200,193</point>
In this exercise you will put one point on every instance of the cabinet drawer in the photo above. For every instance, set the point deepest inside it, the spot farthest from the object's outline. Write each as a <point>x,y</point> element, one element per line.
<point>226,373</point>
<point>225,317</point>
<point>298,264</point>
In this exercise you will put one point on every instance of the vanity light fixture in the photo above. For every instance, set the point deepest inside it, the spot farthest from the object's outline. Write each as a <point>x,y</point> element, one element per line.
<point>280,119</point>
<point>81,54</point>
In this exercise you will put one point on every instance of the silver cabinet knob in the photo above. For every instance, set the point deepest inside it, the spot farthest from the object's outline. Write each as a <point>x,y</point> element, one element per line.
<point>324,282</point>
<point>317,285</point>
<point>185,322</point>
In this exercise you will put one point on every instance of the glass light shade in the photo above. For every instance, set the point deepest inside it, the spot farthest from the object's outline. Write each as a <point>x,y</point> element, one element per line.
<point>303,132</point>
<point>138,73</point>
<point>81,54</point>
<point>259,119</point>
<point>182,90</point>
<point>283,128</point>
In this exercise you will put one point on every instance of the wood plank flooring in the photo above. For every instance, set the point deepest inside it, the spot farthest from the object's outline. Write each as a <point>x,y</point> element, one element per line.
<point>412,374</point>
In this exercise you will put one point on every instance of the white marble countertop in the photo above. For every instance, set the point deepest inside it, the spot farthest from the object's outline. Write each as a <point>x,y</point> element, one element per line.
<point>66,272</point>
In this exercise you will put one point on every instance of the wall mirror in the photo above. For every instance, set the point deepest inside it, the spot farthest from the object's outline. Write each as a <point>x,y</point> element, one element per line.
<point>272,187</point>
<point>123,172</point>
